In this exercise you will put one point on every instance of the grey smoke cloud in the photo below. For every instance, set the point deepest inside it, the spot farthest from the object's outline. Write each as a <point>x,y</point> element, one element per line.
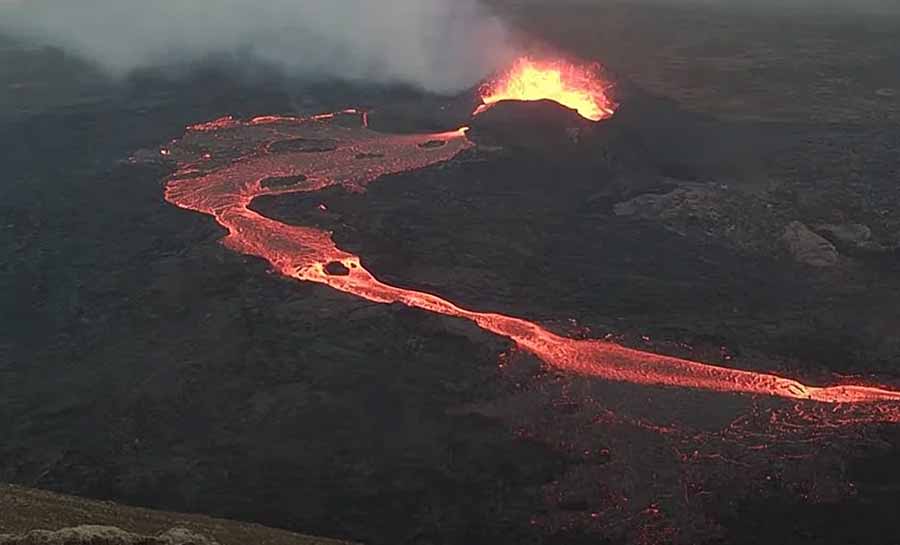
<point>869,7</point>
<point>438,45</point>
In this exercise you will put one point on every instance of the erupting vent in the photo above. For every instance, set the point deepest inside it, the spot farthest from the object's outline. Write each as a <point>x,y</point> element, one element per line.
<point>577,87</point>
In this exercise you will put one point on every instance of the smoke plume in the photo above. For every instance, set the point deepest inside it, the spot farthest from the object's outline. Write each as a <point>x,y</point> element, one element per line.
<point>438,45</point>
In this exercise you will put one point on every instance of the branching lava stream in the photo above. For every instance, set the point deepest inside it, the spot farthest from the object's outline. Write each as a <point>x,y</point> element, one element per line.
<point>222,182</point>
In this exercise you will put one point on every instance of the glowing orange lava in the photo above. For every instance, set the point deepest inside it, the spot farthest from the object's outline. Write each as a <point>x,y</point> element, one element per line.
<point>577,87</point>
<point>304,253</point>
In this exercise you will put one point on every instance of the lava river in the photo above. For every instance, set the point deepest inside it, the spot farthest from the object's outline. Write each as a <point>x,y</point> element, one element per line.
<point>239,161</point>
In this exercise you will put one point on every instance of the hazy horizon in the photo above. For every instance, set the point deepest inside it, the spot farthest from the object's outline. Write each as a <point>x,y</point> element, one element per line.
<point>440,46</point>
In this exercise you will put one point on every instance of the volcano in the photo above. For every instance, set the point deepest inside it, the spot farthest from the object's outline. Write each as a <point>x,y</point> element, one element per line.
<point>555,308</point>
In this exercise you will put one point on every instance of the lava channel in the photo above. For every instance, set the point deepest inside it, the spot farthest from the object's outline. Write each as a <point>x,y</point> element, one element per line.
<point>225,191</point>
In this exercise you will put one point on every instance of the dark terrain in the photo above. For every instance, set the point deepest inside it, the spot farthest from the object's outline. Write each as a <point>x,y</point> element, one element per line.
<point>140,361</point>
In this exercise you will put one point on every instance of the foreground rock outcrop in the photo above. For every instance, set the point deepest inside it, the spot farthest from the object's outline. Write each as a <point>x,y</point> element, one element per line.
<point>36,517</point>
<point>104,535</point>
<point>807,247</point>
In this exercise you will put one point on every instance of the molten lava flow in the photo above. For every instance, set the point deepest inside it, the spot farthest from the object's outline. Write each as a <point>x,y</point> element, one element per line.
<point>306,253</point>
<point>575,87</point>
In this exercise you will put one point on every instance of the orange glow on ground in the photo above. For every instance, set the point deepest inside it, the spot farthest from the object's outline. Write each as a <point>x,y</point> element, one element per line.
<point>577,87</point>
<point>305,253</point>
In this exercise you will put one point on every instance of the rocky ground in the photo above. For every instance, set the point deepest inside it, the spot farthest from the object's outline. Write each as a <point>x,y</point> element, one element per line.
<point>34,517</point>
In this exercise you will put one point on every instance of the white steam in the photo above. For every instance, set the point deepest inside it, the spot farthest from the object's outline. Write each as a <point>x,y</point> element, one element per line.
<point>438,45</point>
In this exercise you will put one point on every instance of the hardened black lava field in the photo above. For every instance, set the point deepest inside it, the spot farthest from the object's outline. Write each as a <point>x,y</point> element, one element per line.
<point>400,323</point>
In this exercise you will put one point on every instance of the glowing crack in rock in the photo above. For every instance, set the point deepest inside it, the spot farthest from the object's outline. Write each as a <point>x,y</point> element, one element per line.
<point>576,87</point>
<point>226,189</point>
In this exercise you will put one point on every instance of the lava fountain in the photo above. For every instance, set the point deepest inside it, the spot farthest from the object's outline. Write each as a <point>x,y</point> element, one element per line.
<point>574,86</point>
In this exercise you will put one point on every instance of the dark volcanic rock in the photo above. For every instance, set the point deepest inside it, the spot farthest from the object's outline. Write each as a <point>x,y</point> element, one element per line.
<point>853,239</point>
<point>848,234</point>
<point>605,150</point>
<point>414,113</point>
<point>540,125</point>
<point>574,503</point>
<point>807,247</point>
<point>336,268</point>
